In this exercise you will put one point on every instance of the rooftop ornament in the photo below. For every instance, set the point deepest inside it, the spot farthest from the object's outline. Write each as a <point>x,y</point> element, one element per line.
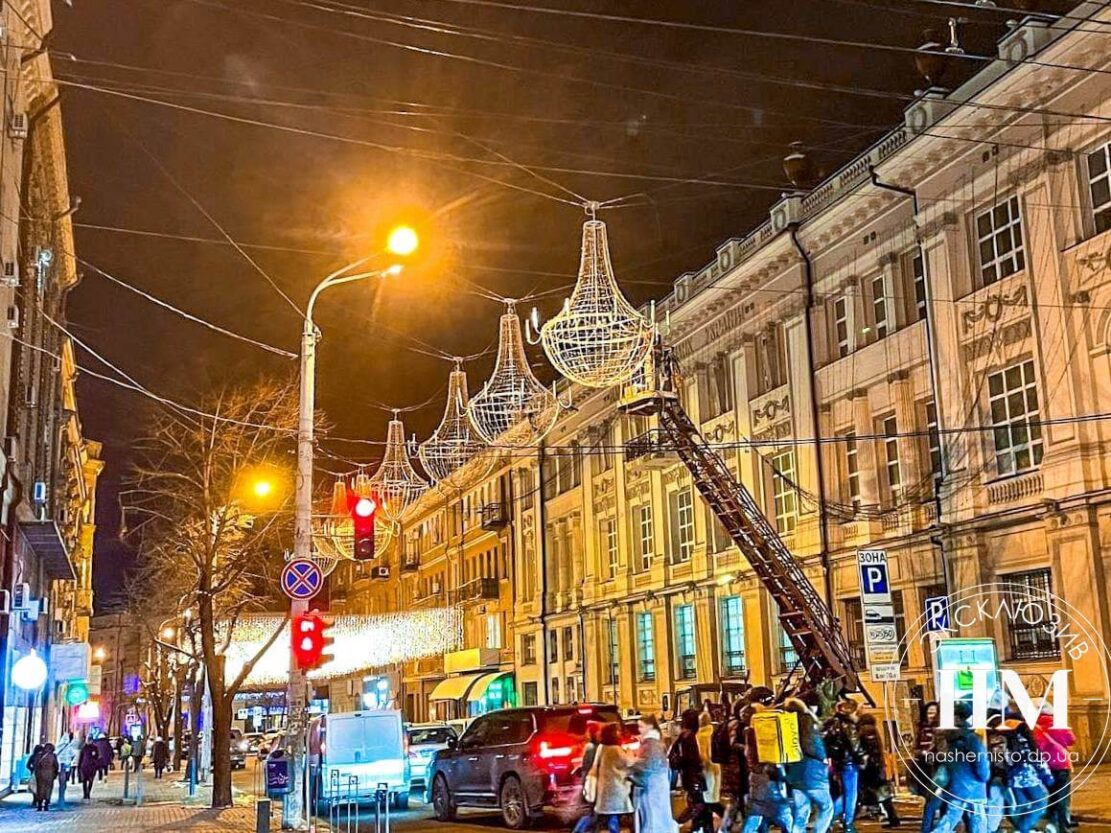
<point>396,483</point>
<point>513,408</point>
<point>456,440</point>
<point>598,339</point>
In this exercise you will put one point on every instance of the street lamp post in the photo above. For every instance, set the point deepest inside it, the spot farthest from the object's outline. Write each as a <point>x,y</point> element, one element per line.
<point>293,809</point>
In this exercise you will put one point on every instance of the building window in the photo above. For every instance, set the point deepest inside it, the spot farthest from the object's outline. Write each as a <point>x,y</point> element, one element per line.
<point>892,469</point>
<point>770,364</point>
<point>852,620</point>
<point>1013,398</point>
<point>528,649</point>
<point>842,332</point>
<point>883,322</point>
<point>852,469</point>
<point>788,656</point>
<point>646,648</point>
<point>529,694</point>
<point>933,437</point>
<point>614,653</point>
<point>784,497</point>
<point>719,539</point>
<point>684,637</point>
<point>681,511</point>
<point>568,643</point>
<point>609,539</point>
<point>609,446</point>
<point>999,234</point>
<point>555,690</point>
<point>1027,634</point>
<point>572,690</point>
<point>732,636</point>
<point>918,276</point>
<point>553,646</point>
<point>1099,186</point>
<point>647,535</point>
<point>716,388</point>
<point>493,631</point>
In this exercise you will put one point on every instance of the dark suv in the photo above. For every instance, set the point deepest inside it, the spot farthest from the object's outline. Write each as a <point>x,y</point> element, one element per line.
<point>518,760</point>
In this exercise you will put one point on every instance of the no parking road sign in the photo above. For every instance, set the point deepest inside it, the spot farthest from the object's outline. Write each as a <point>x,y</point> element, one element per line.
<point>301,579</point>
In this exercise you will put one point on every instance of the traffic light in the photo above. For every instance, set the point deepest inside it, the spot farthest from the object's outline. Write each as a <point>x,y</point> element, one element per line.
<point>309,640</point>
<point>77,692</point>
<point>363,509</point>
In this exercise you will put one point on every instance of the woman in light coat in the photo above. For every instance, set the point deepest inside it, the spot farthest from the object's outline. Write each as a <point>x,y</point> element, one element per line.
<point>651,774</point>
<point>612,798</point>
<point>711,772</point>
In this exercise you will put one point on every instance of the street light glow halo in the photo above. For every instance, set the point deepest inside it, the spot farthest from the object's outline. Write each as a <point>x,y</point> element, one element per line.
<point>403,241</point>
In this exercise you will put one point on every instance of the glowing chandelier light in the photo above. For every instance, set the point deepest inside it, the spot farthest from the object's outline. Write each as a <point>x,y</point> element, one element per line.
<point>513,408</point>
<point>396,483</point>
<point>455,440</point>
<point>598,339</point>
<point>334,536</point>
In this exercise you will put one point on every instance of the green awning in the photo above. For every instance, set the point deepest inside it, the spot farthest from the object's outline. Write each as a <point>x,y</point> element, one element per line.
<point>478,690</point>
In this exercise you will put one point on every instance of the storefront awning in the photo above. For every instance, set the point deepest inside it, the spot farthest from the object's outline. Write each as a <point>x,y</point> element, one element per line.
<point>454,688</point>
<point>478,690</point>
<point>51,551</point>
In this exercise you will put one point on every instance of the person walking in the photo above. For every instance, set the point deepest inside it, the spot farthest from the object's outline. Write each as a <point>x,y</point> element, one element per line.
<point>686,759</point>
<point>44,774</point>
<point>104,756</point>
<point>966,763</point>
<point>159,756</point>
<point>734,768</point>
<point>767,790</point>
<point>842,740</point>
<point>1028,777</point>
<point>1054,743</point>
<point>873,773</point>
<point>711,769</point>
<point>923,766</point>
<point>66,751</point>
<point>809,778</point>
<point>612,800</point>
<point>88,767</point>
<point>650,774</point>
<point>588,821</point>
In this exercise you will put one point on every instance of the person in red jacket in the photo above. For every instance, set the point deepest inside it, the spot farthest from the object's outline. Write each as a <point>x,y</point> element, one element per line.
<point>1054,744</point>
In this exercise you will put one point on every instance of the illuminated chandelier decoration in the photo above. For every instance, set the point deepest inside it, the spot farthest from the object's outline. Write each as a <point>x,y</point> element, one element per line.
<point>334,534</point>
<point>396,484</point>
<point>598,339</point>
<point>513,408</point>
<point>455,440</point>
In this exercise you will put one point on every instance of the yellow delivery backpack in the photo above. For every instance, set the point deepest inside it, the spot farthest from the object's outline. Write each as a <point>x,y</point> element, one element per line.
<point>777,737</point>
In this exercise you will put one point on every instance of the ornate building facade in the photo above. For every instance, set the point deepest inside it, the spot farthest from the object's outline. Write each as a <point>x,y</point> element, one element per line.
<point>914,355</point>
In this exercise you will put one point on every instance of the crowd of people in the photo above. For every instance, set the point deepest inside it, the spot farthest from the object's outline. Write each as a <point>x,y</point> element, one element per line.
<point>87,760</point>
<point>1010,771</point>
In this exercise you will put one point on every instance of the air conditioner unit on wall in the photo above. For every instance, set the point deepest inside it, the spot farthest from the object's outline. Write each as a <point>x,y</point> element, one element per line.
<point>13,317</point>
<point>10,275</point>
<point>18,125</point>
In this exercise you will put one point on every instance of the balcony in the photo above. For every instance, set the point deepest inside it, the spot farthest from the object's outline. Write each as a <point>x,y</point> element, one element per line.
<point>650,450</point>
<point>477,590</point>
<point>494,516</point>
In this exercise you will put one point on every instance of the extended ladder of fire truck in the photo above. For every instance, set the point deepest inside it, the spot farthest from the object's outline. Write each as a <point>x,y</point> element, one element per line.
<point>823,652</point>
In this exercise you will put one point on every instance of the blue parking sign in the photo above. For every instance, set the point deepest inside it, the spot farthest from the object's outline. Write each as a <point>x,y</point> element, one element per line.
<point>875,582</point>
<point>937,613</point>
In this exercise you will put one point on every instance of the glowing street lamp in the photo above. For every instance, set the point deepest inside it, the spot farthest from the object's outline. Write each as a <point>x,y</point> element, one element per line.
<point>263,488</point>
<point>29,672</point>
<point>403,241</point>
<point>99,654</point>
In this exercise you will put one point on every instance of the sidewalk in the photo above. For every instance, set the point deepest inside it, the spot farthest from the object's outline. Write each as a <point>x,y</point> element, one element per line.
<point>166,807</point>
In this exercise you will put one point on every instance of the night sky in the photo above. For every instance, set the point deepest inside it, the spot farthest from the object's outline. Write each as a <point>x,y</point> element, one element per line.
<point>456,83</point>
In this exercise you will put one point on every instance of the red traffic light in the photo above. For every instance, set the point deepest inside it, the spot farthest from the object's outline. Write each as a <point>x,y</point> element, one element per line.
<point>308,640</point>
<point>363,509</point>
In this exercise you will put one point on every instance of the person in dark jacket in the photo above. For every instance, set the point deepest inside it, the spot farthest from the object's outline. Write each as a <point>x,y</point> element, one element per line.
<point>588,820</point>
<point>842,739</point>
<point>1028,777</point>
<point>159,756</point>
<point>734,770</point>
<point>44,773</point>
<point>923,768</point>
<point>873,773</point>
<point>809,778</point>
<point>966,762</point>
<point>687,760</point>
<point>767,791</point>
<point>104,756</point>
<point>88,765</point>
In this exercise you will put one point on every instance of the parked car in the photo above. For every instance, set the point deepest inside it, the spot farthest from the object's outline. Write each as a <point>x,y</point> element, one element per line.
<point>351,754</point>
<point>425,740</point>
<point>238,749</point>
<point>516,760</point>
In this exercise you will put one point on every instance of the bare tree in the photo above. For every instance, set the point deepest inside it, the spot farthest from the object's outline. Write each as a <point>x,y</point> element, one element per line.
<point>205,532</point>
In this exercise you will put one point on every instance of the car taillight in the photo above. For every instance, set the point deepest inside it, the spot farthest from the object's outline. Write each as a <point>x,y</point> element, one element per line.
<point>547,749</point>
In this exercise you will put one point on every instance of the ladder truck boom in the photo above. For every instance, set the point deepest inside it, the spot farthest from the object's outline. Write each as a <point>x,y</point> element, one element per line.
<point>807,620</point>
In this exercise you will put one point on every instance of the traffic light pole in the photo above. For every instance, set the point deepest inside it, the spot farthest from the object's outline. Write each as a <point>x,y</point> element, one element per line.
<point>294,812</point>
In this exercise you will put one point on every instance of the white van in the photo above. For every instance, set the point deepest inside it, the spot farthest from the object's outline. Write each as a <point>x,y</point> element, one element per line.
<point>351,754</point>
